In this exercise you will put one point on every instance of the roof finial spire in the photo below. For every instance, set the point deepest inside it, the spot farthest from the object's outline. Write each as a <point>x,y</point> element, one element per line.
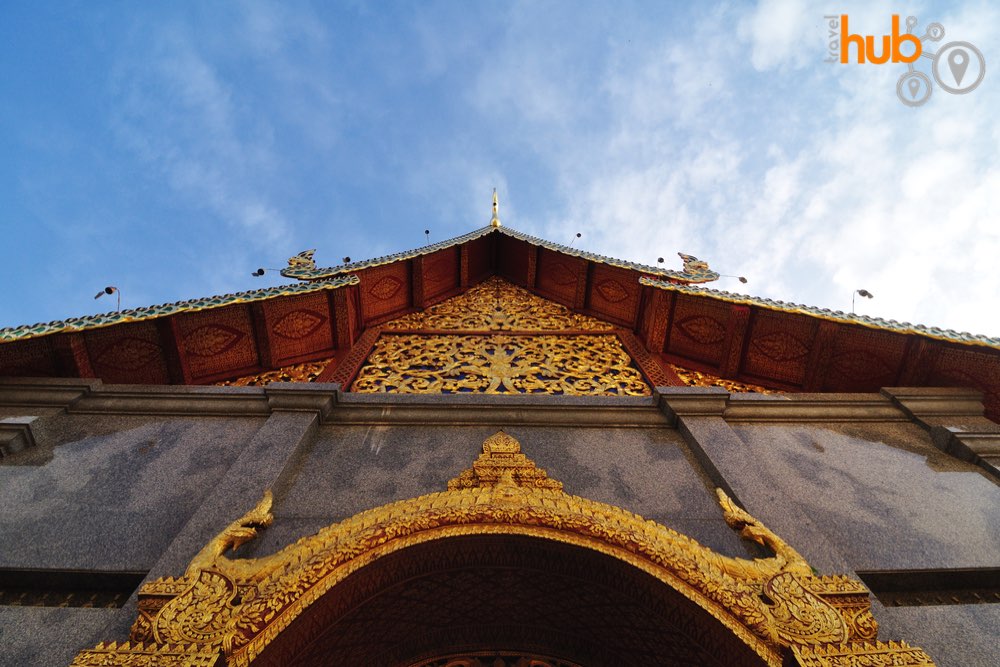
<point>495,222</point>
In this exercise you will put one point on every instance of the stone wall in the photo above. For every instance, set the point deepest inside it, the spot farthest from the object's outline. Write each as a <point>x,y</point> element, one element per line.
<point>123,478</point>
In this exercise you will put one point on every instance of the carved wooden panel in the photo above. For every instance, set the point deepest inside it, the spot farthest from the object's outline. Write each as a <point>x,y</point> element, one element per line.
<point>650,366</point>
<point>385,290</point>
<point>217,343</point>
<point>71,356</point>
<point>345,305</point>
<point>512,259</point>
<point>494,591</point>
<point>739,321</point>
<point>309,371</point>
<point>580,365</point>
<point>128,354</point>
<point>298,326</point>
<point>654,317</point>
<point>959,366</point>
<point>613,294</point>
<point>441,271</point>
<point>28,358</point>
<point>698,329</point>
<point>779,345</point>
<point>479,257</point>
<point>347,366</point>
<point>864,360</point>
<point>559,276</point>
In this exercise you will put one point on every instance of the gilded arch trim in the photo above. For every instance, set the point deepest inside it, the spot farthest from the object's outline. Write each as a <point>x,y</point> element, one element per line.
<point>226,611</point>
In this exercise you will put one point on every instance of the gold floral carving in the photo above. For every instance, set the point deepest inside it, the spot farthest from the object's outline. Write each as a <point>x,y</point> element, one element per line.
<point>307,372</point>
<point>497,305</point>
<point>699,379</point>
<point>586,364</point>
<point>502,456</point>
<point>137,654</point>
<point>235,607</point>
<point>862,654</point>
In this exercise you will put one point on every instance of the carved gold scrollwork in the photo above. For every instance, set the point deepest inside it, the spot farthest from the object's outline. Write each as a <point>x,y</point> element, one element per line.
<point>495,364</point>
<point>137,654</point>
<point>497,305</point>
<point>236,607</point>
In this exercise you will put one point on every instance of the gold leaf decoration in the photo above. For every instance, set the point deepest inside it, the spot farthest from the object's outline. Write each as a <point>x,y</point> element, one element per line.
<point>307,372</point>
<point>699,379</point>
<point>497,305</point>
<point>589,364</point>
<point>231,609</point>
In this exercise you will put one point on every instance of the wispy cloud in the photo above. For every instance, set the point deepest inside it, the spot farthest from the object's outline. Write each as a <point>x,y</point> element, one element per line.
<point>179,118</point>
<point>811,178</point>
<point>253,131</point>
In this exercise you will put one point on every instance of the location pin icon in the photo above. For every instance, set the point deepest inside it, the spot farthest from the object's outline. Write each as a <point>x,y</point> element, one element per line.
<point>958,62</point>
<point>914,86</point>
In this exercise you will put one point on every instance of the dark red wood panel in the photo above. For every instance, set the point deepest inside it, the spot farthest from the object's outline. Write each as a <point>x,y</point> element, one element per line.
<point>863,360</point>
<point>654,317</point>
<point>558,276</point>
<point>441,273</point>
<point>512,259</point>
<point>778,346</point>
<point>128,354</point>
<point>698,329</point>
<point>298,327</point>
<point>385,291</point>
<point>961,366</point>
<point>478,259</point>
<point>218,343</point>
<point>613,294</point>
<point>28,358</point>
<point>72,358</point>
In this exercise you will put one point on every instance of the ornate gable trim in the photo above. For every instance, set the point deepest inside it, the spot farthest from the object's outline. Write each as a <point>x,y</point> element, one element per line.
<point>234,608</point>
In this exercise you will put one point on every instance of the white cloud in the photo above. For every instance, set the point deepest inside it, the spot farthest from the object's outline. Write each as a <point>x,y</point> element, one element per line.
<point>811,178</point>
<point>781,32</point>
<point>183,119</point>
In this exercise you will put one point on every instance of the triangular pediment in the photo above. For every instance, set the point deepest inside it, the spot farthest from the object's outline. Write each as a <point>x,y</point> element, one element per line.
<point>325,327</point>
<point>498,338</point>
<point>497,305</point>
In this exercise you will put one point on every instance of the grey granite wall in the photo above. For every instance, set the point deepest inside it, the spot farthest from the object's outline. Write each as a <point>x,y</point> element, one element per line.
<point>109,492</point>
<point>883,494</point>
<point>138,479</point>
<point>348,469</point>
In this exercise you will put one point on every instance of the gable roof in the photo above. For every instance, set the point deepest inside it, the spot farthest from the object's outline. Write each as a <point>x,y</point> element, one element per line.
<point>741,338</point>
<point>319,273</point>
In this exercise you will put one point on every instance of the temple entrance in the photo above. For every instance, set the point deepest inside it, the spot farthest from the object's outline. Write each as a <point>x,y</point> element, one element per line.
<point>503,565</point>
<point>479,599</point>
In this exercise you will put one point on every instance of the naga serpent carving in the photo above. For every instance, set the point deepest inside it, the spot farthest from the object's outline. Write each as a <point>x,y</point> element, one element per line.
<point>233,607</point>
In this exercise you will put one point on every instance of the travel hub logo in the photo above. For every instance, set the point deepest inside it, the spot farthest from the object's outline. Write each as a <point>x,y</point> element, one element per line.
<point>957,67</point>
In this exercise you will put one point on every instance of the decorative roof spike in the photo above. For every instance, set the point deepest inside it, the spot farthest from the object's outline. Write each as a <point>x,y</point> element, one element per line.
<point>695,270</point>
<point>495,222</point>
<point>303,260</point>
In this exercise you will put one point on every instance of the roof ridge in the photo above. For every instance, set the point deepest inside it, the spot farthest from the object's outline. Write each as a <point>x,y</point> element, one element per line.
<point>318,273</point>
<point>706,276</point>
<point>10,334</point>
<point>825,313</point>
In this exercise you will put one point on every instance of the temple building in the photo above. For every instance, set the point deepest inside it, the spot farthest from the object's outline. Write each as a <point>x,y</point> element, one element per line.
<point>497,451</point>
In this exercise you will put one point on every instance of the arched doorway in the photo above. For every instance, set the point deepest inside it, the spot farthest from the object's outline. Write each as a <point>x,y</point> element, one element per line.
<point>511,595</point>
<point>502,564</point>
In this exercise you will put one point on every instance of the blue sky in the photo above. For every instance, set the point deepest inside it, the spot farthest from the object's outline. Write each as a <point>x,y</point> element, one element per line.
<point>172,148</point>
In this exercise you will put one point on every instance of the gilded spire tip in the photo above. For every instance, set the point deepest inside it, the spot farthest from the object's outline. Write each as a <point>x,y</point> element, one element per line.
<point>495,222</point>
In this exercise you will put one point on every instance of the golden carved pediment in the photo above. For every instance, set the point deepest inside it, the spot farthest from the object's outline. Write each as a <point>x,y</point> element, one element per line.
<point>497,305</point>
<point>498,338</point>
<point>233,608</point>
